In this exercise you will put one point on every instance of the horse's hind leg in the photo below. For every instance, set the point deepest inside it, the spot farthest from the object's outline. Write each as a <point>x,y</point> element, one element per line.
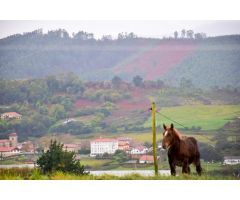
<point>185,168</point>
<point>198,167</point>
<point>189,170</point>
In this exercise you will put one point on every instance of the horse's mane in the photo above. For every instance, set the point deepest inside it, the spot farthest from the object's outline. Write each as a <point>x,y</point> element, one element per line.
<point>178,134</point>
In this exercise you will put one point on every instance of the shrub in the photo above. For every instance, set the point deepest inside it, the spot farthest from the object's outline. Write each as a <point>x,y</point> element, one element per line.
<point>56,159</point>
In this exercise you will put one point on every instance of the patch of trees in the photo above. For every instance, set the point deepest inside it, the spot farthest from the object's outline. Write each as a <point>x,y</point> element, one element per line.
<point>209,153</point>
<point>104,95</point>
<point>39,90</point>
<point>119,156</point>
<point>56,159</point>
<point>189,34</point>
<point>228,138</point>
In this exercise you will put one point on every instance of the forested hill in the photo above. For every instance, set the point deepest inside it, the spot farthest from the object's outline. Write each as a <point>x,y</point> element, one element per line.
<point>34,55</point>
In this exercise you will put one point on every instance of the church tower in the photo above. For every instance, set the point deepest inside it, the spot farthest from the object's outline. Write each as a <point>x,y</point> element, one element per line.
<point>13,139</point>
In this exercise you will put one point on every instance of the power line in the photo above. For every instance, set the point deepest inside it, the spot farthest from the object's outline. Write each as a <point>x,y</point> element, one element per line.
<point>171,119</point>
<point>183,126</point>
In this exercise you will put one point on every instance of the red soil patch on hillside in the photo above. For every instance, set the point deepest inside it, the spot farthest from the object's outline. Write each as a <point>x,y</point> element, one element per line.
<point>83,103</point>
<point>159,59</point>
<point>138,102</point>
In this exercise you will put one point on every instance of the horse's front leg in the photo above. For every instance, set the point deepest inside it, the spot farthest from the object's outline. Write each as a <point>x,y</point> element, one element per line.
<point>172,167</point>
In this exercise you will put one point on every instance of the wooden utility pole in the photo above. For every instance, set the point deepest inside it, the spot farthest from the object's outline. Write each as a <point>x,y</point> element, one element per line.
<point>154,138</point>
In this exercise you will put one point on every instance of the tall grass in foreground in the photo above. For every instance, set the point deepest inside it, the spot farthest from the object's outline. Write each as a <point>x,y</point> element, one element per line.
<point>35,174</point>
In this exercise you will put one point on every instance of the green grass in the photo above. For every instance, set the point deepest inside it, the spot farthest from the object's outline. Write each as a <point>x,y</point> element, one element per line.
<point>208,117</point>
<point>9,162</point>
<point>34,174</point>
<point>94,163</point>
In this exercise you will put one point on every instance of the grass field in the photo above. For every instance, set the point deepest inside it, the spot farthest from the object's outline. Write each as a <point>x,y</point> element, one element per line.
<point>34,174</point>
<point>208,117</point>
<point>94,163</point>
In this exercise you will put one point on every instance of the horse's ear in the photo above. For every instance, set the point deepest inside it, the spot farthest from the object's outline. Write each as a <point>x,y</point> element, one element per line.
<point>172,126</point>
<point>164,126</point>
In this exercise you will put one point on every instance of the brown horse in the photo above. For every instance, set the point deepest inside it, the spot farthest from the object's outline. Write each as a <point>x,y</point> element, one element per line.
<point>182,150</point>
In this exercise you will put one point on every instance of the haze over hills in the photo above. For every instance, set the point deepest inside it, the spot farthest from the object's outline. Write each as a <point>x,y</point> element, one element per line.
<point>206,62</point>
<point>35,84</point>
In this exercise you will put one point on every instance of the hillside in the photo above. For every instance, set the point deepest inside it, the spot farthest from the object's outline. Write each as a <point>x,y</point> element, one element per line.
<point>48,104</point>
<point>35,55</point>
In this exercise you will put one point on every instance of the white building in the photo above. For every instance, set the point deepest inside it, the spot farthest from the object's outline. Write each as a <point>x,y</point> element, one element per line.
<point>103,145</point>
<point>138,150</point>
<point>231,160</point>
<point>8,151</point>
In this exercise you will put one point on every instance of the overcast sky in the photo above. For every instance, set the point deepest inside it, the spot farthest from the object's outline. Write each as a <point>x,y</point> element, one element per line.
<point>141,28</point>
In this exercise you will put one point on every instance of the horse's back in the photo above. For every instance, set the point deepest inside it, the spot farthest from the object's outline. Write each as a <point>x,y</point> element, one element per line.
<point>191,144</point>
<point>193,140</point>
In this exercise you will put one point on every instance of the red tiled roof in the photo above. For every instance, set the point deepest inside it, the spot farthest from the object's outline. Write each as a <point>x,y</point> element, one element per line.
<point>13,134</point>
<point>104,140</point>
<point>146,158</point>
<point>124,139</point>
<point>12,114</point>
<point>6,149</point>
<point>70,145</point>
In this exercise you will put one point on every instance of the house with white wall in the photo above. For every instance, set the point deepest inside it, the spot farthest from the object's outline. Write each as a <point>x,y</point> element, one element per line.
<point>140,149</point>
<point>8,151</point>
<point>103,145</point>
<point>231,160</point>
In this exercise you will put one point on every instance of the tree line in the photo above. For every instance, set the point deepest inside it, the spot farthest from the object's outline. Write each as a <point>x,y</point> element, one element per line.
<point>62,34</point>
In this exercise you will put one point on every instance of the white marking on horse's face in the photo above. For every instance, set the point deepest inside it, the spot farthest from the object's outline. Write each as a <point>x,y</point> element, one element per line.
<point>165,133</point>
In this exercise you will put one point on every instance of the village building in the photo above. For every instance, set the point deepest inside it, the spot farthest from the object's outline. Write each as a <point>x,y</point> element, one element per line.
<point>8,151</point>
<point>72,147</point>
<point>11,115</point>
<point>5,143</point>
<point>139,149</point>
<point>11,142</point>
<point>27,147</point>
<point>123,143</point>
<point>231,160</point>
<point>103,145</point>
<point>146,159</point>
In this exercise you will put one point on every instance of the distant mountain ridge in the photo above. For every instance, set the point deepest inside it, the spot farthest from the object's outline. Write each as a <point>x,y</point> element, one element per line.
<point>207,62</point>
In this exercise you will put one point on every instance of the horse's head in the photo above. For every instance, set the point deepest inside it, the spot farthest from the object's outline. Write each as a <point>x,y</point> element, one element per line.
<point>169,136</point>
